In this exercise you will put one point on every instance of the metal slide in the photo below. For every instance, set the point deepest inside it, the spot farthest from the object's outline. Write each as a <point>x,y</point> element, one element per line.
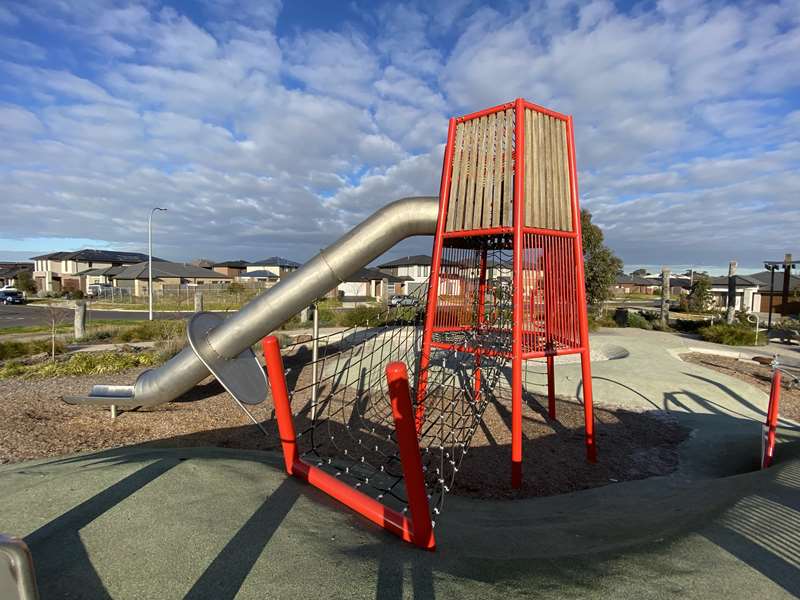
<point>215,349</point>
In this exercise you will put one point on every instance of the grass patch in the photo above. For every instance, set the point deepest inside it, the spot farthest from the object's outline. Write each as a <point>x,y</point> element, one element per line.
<point>14,349</point>
<point>83,363</point>
<point>735,334</point>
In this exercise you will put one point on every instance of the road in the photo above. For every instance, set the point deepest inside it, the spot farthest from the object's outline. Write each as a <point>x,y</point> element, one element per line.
<point>26,316</point>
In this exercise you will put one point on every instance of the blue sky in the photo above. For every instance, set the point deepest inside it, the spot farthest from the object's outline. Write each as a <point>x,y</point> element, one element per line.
<point>271,128</point>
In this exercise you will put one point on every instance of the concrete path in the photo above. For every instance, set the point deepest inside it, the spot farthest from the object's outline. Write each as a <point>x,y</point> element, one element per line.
<point>652,377</point>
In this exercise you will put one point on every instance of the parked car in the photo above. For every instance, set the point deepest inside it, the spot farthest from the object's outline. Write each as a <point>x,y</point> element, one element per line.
<point>403,300</point>
<point>11,297</point>
<point>98,289</point>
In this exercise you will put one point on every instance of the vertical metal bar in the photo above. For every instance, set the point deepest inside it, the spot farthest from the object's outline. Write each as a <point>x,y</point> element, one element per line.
<point>481,318</point>
<point>771,293</point>
<point>516,345</point>
<point>768,451</point>
<point>551,387</point>
<point>314,358</point>
<point>280,399</point>
<point>583,319</point>
<point>433,289</point>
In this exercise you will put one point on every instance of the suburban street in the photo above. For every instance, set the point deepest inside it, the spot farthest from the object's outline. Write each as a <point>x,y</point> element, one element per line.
<point>24,316</point>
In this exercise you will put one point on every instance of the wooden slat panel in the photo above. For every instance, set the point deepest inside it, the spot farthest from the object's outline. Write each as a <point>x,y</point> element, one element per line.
<point>458,156</point>
<point>548,161</point>
<point>530,159</point>
<point>472,168</point>
<point>558,141</point>
<point>488,186</point>
<point>480,175</point>
<point>554,200</point>
<point>538,173</point>
<point>463,177</point>
<point>565,174</point>
<point>508,190</point>
<point>497,175</point>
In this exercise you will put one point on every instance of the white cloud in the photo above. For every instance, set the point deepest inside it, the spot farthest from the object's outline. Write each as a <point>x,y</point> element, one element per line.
<point>686,119</point>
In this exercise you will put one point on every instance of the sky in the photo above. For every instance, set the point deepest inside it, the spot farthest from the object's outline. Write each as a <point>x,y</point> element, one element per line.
<point>267,128</point>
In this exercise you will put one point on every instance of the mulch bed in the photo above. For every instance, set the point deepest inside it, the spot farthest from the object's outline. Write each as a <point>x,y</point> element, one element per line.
<point>37,424</point>
<point>757,375</point>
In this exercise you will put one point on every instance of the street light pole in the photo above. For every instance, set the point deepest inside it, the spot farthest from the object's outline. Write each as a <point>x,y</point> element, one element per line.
<point>150,260</point>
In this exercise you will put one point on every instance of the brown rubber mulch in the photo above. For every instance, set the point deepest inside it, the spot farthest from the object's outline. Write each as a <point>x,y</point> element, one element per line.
<point>37,424</point>
<point>755,374</point>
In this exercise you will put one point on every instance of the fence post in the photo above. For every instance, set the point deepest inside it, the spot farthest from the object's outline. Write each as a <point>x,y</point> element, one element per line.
<point>665,277</point>
<point>79,329</point>
<point>198,302</point>
<point>732,292</point>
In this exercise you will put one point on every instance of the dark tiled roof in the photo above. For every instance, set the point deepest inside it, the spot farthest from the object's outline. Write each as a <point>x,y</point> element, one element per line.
<point>763,277</point>
<point>239,264</point>
<point>741,281</point>
<point>169,269</point>
<point>261,273</point>
<point>373,274</point>
<point>275,261</point>
<point>92,255</point>
<point>416,259</point>
<point>107,271</point>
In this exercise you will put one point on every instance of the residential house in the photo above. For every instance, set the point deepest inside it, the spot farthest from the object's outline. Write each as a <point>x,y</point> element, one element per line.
<point>414,270</point>
<point>62,271</point>
<point>748,296</point>
<point>134,278</point>
<point>633,284</point>
<point>231,268</point>
<point>261,275</point>
<point>276,264</point>
<point>9,272</point>
<point>369,285</point>
<point>776,292</point>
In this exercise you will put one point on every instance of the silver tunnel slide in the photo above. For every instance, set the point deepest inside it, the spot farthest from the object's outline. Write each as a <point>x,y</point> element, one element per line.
<point>231,339</point>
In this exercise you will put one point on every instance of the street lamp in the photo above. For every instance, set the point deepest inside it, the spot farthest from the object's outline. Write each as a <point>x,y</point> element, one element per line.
<point>150,259</point>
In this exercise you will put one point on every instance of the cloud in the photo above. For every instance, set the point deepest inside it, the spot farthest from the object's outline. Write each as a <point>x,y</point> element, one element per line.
<point>267,138</point>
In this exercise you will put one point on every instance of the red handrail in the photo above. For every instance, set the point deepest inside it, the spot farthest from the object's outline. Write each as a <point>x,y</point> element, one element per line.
<point>771,425</point>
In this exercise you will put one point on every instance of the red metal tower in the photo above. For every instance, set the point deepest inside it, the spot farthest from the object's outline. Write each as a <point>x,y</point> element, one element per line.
<point>507,276</point>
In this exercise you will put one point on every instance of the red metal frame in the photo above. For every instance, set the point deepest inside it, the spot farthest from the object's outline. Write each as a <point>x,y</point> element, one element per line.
<point>771,425</point>
<point>549,320</point>
<point>418,529</point>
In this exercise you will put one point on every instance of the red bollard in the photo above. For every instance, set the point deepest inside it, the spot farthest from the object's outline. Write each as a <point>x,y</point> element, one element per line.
<point>768,440</point>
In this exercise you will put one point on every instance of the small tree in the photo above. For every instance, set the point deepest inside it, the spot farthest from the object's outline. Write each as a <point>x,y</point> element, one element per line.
<point>25,282</point>
<point>700,295</point>
<point>56,315</point>
<point>601,264</point>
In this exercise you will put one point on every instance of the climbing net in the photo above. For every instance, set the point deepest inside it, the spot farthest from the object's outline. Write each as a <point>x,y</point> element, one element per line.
<point>343,413</point>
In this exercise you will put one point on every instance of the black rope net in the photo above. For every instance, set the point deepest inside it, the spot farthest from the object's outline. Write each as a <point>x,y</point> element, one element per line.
<point>343,416</point>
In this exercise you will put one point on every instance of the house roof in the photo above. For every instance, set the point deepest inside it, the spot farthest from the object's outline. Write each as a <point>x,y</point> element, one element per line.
<point>239,264</point>
<point>261,273</point>
<point>11,270</point>
<point>106,271</point>
<point>416,259</point>
<point>763,277</point>
<point>90,254</point>
<point>275,261</point>
<point>168,269</point>
<point>367,274</point>
<point>634,280</point>
<point>741,281</point>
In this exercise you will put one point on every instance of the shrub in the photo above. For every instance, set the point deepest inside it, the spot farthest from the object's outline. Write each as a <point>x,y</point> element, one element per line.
<point>595,322</point>
<point>14,349</point>
<point>637,320</point>
<point>84,363</point>
<point>736,334</point>
<point>689,325</point>
<point>147,331</point>
<point>363,315</point>
<point>76,295</point>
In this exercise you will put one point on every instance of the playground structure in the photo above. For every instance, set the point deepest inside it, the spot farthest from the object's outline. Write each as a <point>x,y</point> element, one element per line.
<point>506,286</point>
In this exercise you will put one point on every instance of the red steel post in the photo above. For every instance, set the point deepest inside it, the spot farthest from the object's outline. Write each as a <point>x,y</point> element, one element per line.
<point>433,282</point>
<point>772,420</point>
<point>517,316</point>
<point>280,399</point>
<point>583,319</point>
<point>410,460</point>
<point>481,318</point>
